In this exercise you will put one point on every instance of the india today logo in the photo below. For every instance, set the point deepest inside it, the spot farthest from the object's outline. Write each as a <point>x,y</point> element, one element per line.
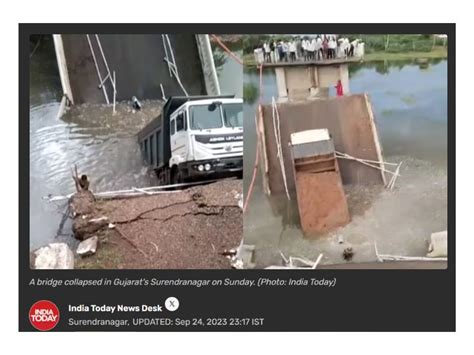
<point>44,315</point>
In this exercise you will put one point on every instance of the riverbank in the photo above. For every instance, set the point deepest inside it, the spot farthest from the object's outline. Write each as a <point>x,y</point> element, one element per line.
<point>438,52</point>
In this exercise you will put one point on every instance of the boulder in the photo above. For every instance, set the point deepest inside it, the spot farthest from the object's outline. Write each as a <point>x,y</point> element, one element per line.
<point>87,247</point>
<point>54,256</point>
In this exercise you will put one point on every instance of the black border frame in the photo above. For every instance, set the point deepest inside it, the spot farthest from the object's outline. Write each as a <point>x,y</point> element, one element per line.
<point>363,300</point>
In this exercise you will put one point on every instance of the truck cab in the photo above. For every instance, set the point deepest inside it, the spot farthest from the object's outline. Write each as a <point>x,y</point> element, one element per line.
<point>206,139</point>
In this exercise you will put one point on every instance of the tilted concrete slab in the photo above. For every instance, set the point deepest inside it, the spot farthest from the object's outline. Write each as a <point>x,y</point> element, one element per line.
<point>138,61</point>
<point>350,122</point>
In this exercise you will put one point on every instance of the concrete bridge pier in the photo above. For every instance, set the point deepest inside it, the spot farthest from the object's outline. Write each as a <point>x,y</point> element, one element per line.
<point>298,81</point>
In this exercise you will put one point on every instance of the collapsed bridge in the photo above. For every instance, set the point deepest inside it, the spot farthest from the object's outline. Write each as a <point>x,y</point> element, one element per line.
<point>101,68</point>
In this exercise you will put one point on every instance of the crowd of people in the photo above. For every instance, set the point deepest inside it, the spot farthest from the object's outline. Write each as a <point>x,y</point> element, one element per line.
<point>320,47</point>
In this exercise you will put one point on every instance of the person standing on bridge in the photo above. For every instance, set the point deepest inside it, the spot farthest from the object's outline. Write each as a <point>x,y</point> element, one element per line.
<point>280,51</point>
<point>292,50</point>
<point>267,52</point>
<point>305,45</point>
<point>306,49</point>
<point>273,51</point>
<point>332,48</point>
<point>285,48</point>
<point>312,49</point>
<point>352,47</point>
<point>299,48</point>
<point>325,47</point>
<point>318,48</point>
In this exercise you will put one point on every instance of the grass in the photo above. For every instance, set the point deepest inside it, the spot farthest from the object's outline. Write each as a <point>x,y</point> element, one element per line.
<point>248,59</point>
<point>437,52</point>
<point>250,93</point>
<point>106,257</point>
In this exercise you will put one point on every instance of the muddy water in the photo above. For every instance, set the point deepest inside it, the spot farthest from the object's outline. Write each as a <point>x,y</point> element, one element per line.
<point>410,106</point>
<point>229,72</point>
<point>101,144</point>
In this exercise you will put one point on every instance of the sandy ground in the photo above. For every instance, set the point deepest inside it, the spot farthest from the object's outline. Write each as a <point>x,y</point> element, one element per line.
<point>400,222</point>
<point>190,229</point>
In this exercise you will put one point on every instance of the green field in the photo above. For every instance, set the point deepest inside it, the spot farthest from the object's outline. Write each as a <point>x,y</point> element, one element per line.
<point>437,52</point>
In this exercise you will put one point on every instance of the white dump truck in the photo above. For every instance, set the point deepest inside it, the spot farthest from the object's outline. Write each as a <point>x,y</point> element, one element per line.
<point>195,138</point>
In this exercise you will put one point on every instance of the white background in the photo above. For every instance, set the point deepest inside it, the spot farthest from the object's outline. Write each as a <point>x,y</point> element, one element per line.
<point>313,11</point>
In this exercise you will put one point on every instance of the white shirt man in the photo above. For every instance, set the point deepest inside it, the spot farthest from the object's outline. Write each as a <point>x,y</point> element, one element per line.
<point>306,44</point>
<point>359,52</point>
<point>266,47</point>
<point>319,43</point>
<point>292,46</point>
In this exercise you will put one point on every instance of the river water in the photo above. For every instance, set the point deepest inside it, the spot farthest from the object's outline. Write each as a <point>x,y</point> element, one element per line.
<point>410,108</point>
<point>102,145</point>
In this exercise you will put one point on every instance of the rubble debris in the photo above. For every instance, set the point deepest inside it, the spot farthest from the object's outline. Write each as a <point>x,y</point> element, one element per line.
<point>243,258</point>
<point>136,104</point>
<point>237,264</point>
<point>347,254</point>
<point>53,256</point>
<point>294,262</point>
<point>240,198</point>
<point>439,245</point>
<point>87,247</point>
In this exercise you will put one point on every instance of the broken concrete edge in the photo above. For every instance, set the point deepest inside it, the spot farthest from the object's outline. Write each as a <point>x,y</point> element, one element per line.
<point>378,147</point>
